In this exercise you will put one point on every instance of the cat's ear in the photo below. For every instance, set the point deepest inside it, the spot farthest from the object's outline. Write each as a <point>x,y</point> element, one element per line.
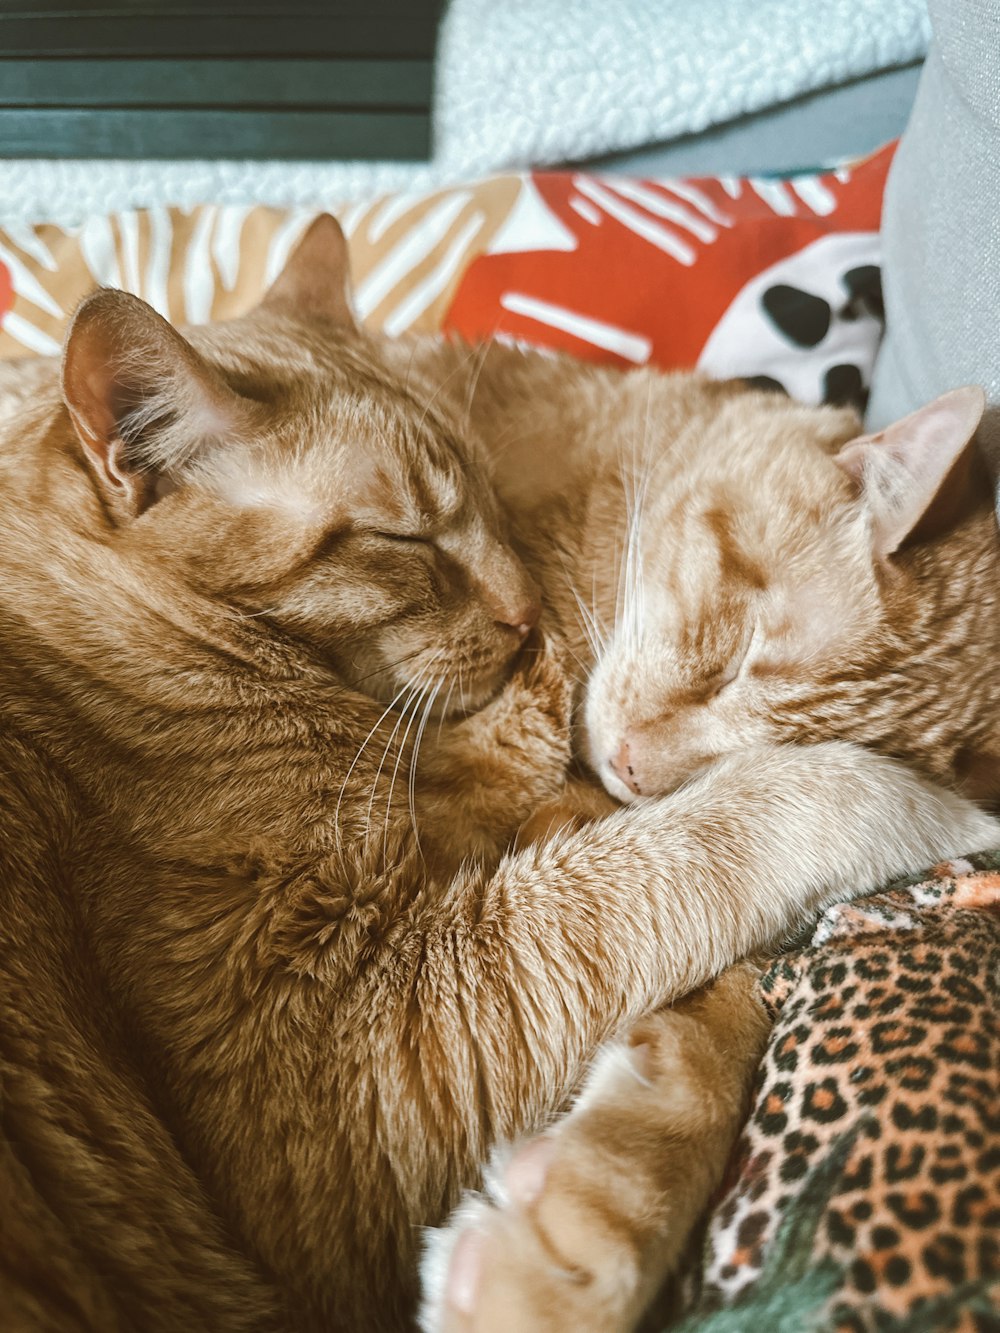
<point>919,475</point>
<point>315,283</point>
<point>140,398</point>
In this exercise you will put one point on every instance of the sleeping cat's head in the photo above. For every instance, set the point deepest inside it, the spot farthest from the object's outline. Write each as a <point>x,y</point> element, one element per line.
<point>790,583</point>
<point>274,466</point>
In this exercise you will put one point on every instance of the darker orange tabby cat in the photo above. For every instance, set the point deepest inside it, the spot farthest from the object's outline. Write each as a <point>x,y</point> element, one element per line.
<point>253,1033</point>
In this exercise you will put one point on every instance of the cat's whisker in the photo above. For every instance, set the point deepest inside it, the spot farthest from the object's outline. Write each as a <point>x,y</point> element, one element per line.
<point>252,615</point>
<point>412,706</point>
<point>413,703</point>
<point>389,666</point>
<point>589,628</point>
<point>588,622</point>
<point>354,763</point>
<point>634,609</point>
<point>385,754</point>
<point>441,386</point>
<point>474,383</point>
<point>603,634</point>
<point>413,689</point>
<point>428,707</point>
<point>444,708</point>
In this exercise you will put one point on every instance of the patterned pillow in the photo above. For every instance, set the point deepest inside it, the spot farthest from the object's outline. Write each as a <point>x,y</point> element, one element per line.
<point>774,280</point>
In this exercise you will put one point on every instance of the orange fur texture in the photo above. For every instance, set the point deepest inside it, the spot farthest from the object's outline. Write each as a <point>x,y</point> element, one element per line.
<point>267,999</point>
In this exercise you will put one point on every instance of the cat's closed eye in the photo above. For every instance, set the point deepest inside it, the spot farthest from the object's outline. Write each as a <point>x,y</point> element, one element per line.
<point>740,660</point>
<point>404,538</point>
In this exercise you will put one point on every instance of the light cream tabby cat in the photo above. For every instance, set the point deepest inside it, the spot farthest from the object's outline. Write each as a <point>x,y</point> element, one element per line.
<point>768,578</point>
<point>253,1034</point>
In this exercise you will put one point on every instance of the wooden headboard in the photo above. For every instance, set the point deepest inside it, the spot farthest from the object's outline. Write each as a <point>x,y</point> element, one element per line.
<point>327,79</point>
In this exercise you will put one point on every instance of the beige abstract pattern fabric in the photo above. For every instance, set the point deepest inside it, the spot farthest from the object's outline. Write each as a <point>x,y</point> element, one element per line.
<point>408,254</point>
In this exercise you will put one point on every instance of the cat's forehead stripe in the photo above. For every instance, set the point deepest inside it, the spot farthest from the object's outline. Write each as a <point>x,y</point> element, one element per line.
<point>735,565</point>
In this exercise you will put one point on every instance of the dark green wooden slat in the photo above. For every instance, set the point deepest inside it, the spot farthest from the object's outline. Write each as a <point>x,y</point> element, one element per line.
<point>120,83</point>
<point>53,9</point>
<point>320,135</point>
<point>368,33</point>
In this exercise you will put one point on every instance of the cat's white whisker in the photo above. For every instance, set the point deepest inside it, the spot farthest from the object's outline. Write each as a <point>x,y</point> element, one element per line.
<point>253,615</point>
<point>413,688</point>
<point>412,706</point>
<point>474,383</point>
<point>409,712</point>
<point>354,763</point>
<point>441,387</point>
<point>444,708</point>
<point>428,707</point>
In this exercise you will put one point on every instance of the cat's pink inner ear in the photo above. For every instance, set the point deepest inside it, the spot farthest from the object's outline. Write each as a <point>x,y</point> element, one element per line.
<point>919,475</point>
<point>315,283</point>
<point>129,379</point>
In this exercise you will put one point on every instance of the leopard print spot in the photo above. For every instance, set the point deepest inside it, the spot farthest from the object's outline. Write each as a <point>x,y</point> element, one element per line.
<point>823,1101</point>
<point>752,1229</point>
<point>874,966</point>
<point>897,1270</point>
<point>786,1056</point>
<point>888,1037</point>
<point>961,962</point>
<point>913,1072</point>
<point>873,1096</point>
<point>830,975</point>
<point>794,1167</point>
<point>942,1174</point>
<point>915,985</point>
<point>863,1276</point>
<point>938,1009</point>
<point>771,1117</point>
<point>963,989</point>
<point>967,1047</point>
<point>836,1048</point>
<point>839,1229</point>
<point>903,1161</point>
<point>945,1257</point>
<point>970,1205</point>
<point>906,1117</point>
<point>917,1210</point>
<point>884,1238</point>
<point>859,1175</point>
<point>926,960</point>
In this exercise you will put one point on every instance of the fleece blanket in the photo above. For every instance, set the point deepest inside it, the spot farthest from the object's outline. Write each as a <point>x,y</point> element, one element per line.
<point>533,83</point>
<point>865,1191</point>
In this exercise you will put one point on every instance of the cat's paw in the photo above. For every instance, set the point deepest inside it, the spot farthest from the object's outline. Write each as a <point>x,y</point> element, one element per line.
<point>577,1229</point>
<point>531,1253</point>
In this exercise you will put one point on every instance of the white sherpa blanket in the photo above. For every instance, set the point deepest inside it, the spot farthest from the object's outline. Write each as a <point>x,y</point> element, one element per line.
<point>532,83</point>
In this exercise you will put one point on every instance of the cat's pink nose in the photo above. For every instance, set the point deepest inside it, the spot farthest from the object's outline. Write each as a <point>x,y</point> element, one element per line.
<point>623,767</point>
<point>521,618</point>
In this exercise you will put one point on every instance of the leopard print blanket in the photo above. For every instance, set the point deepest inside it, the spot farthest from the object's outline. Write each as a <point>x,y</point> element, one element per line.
<point>865,1191</point>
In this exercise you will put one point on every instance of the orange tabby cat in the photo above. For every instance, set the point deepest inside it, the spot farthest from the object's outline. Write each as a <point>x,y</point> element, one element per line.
<point>768,578</point>
<point>254,1032</point>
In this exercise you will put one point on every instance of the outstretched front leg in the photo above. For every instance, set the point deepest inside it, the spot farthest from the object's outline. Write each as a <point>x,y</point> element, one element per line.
<point>579,1227</point>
